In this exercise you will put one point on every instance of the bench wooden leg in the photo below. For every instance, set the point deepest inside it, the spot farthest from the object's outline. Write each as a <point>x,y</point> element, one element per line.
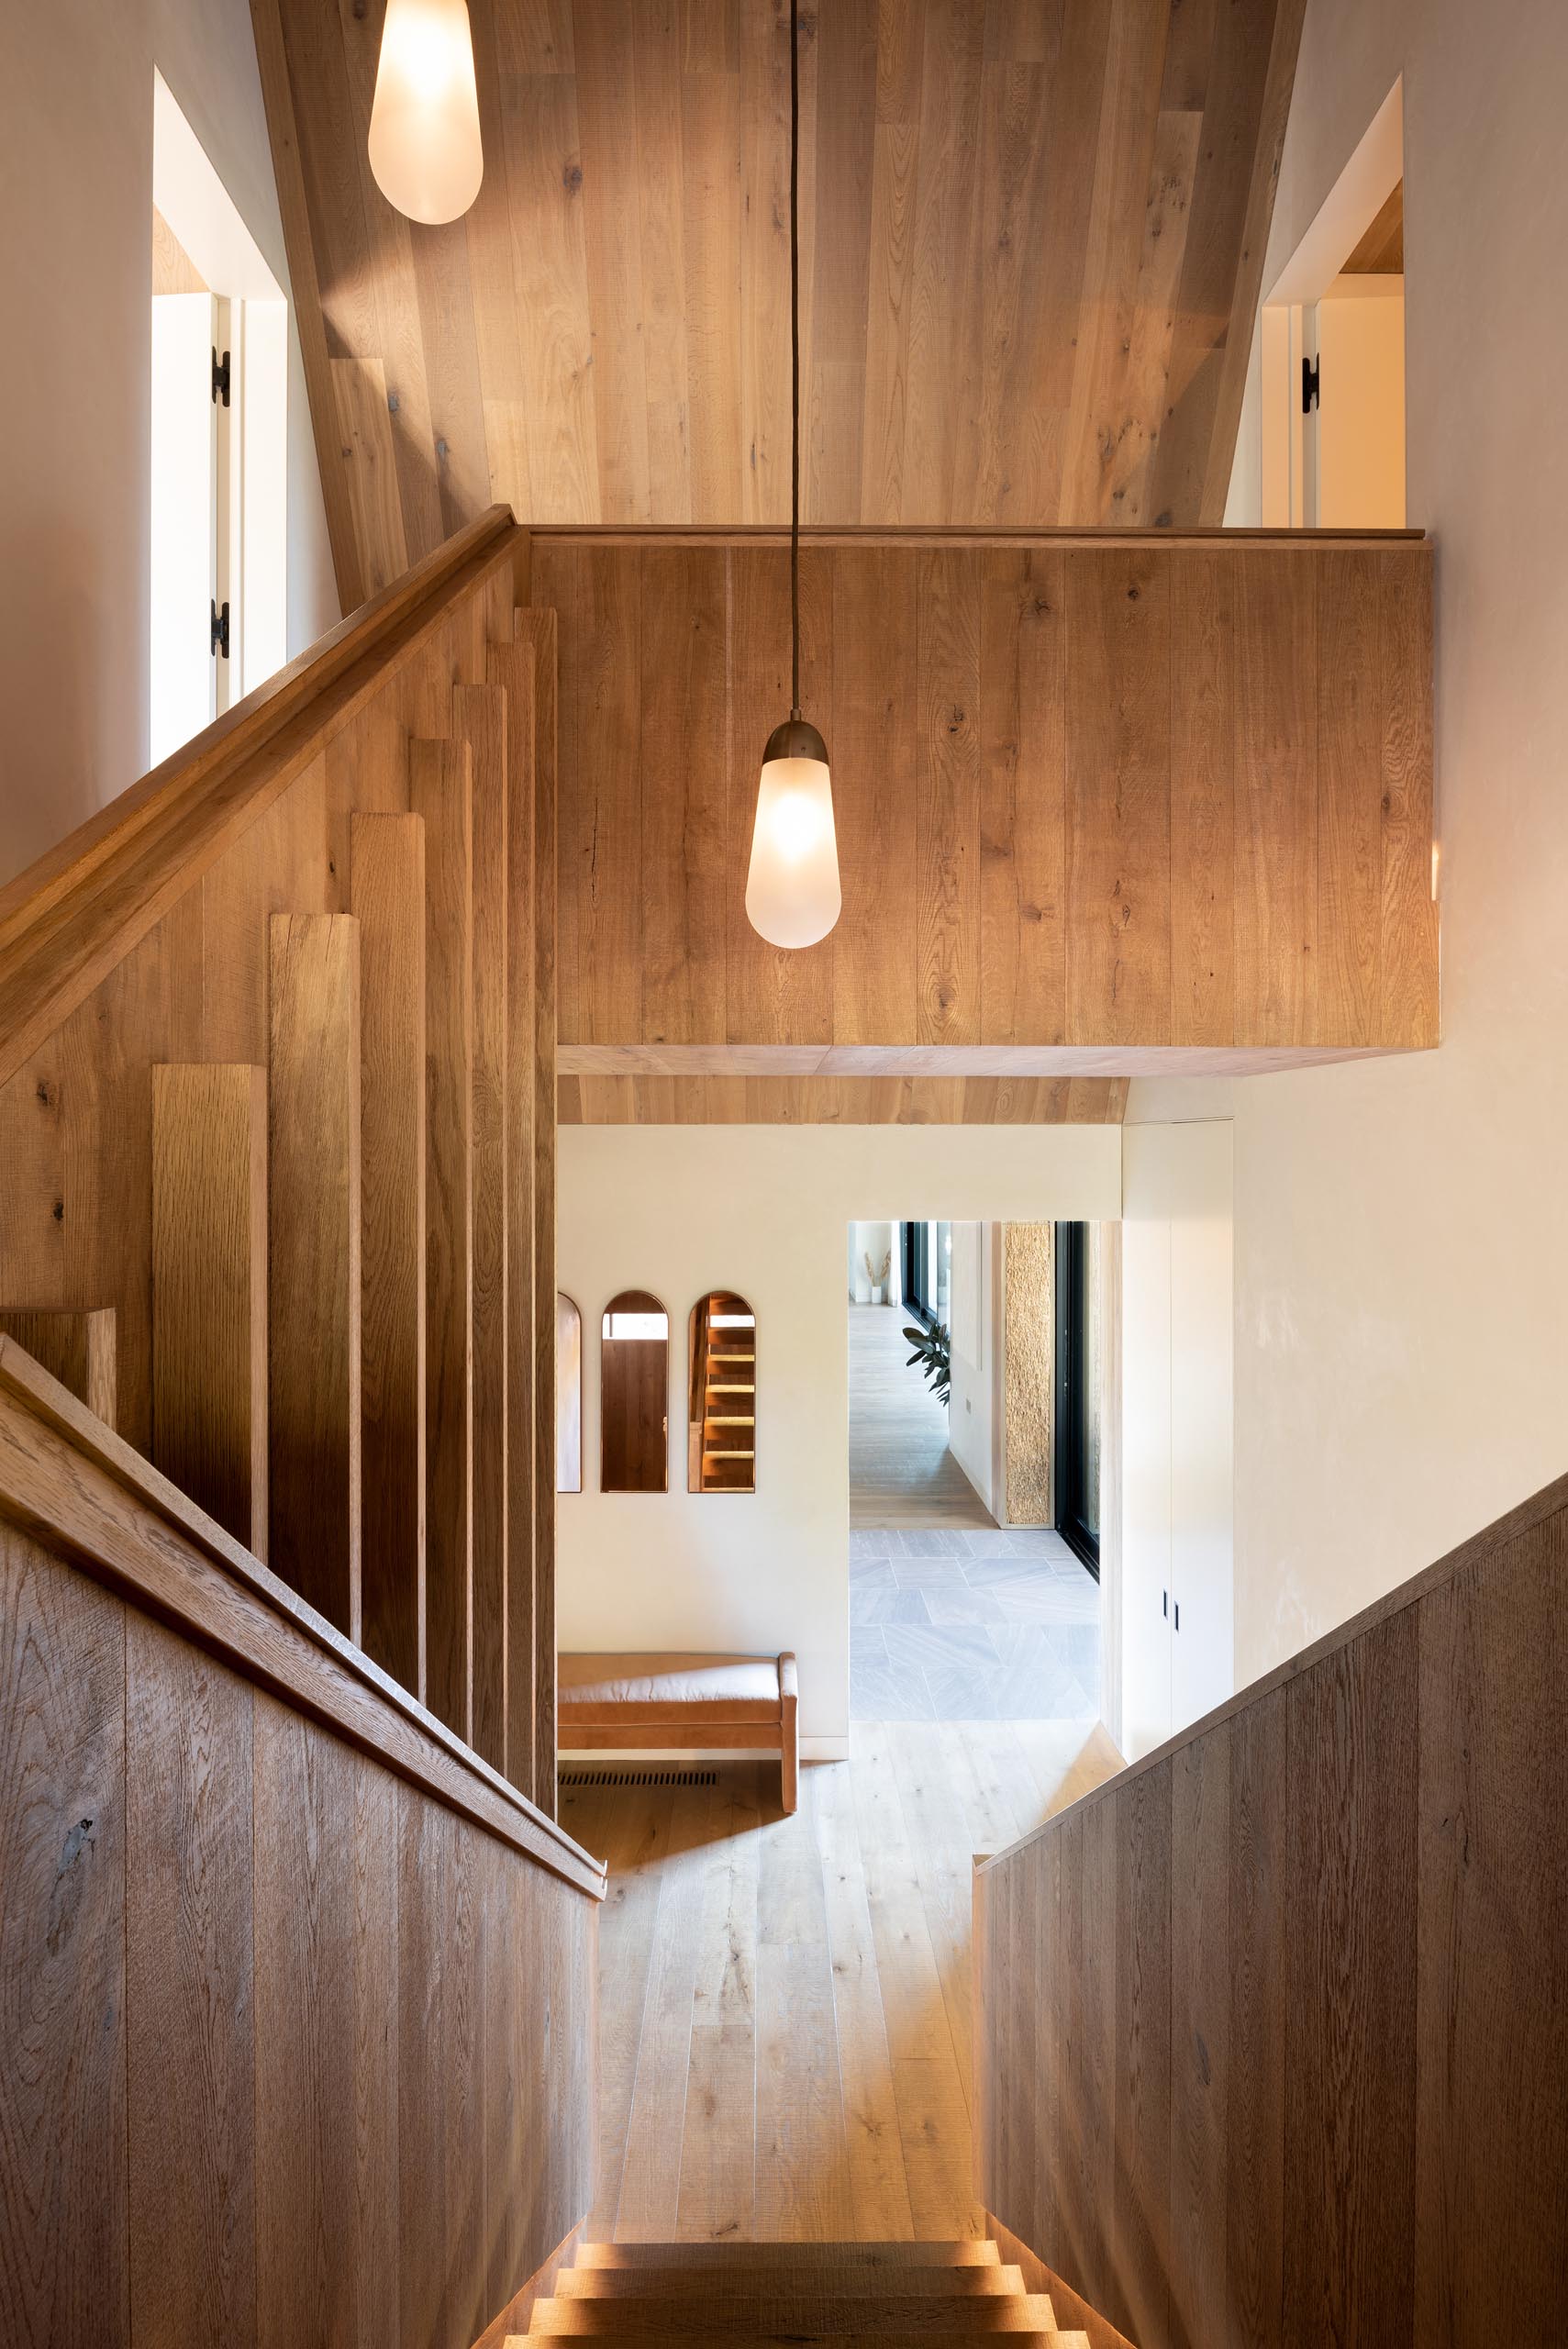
<point>789,1737</point>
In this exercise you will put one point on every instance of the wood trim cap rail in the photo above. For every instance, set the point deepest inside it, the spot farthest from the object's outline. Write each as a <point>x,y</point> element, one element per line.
<point>70,1480</point>
<point>1550,1501</point>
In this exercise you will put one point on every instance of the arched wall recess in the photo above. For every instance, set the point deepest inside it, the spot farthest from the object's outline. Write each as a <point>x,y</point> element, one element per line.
<point>634,1394</point>
<point>722,1420</point>
<point>568,1395</point>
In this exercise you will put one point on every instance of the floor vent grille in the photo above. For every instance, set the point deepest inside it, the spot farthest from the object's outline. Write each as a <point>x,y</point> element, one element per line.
<point>637,1778</point>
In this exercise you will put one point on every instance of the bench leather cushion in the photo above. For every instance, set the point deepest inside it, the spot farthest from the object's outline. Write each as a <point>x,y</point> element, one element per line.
<point>610,1691</point>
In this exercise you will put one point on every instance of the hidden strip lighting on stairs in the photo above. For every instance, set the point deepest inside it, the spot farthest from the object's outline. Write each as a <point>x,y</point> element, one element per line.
<point>792,896</point>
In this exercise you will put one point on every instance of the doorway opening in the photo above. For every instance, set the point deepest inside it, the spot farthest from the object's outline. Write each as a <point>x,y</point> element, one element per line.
<point>966,1604</point>
<point>219,417</point>
<point>1332,352</point>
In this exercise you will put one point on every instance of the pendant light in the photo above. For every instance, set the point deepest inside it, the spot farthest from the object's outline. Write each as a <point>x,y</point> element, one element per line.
<point>792,889</point>
<point>424,139</point>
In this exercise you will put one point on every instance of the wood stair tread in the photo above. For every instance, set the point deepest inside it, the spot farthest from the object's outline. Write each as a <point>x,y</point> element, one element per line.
<point>778,2337</point>
<point>976,2252</point>
<point>804,2276</point>
<point>796,2311</point>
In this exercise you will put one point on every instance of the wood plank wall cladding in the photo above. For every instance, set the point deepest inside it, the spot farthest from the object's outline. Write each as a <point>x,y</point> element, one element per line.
<point>1032,238</point>
<point>1271,2040</point>
<point>1101,807</point>
<point>298,1997</point>
<point>254,917</point>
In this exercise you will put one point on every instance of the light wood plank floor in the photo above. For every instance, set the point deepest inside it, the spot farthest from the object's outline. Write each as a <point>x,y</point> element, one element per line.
<point>785,2003</point>
<point>901,1472</point>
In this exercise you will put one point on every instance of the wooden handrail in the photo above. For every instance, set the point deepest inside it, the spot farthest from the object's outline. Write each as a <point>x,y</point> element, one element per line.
<point>1550,1502</point>
<point>76,912</point>
<point>67,1478</point>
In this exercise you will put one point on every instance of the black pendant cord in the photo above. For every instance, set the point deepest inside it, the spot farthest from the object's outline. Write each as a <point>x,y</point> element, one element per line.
<point>794,353</point>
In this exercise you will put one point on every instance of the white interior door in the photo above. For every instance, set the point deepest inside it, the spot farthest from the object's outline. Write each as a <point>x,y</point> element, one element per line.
<point>184,519</point>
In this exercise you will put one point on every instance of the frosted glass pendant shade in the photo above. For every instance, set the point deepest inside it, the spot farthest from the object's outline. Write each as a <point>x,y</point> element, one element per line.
<point>424,140</point>
<point>792,889</point>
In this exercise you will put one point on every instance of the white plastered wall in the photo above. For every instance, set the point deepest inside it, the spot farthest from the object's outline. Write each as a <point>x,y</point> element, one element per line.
<point>682,1209</point>
<point>76,102</point>
<point>1401,1241</point>
<point>974,1324</point>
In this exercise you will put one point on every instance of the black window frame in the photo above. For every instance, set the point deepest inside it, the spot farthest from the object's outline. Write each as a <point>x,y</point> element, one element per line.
<point>1070,1430</point>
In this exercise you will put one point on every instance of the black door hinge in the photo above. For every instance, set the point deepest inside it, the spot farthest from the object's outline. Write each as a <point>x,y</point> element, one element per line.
<point>220,631</point>
<point>220,377</point>
<point>1309,386</point>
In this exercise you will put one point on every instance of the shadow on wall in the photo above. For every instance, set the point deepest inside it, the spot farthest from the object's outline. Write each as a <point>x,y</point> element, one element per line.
<point>52,772</point>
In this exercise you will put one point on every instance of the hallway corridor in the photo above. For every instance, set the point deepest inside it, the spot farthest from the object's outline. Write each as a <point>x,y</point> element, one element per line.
<point>784,2009</point>
<point>901,1472</point>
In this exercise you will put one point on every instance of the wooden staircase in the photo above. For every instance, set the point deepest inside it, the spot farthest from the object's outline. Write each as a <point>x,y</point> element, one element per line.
<point>832,2294</point>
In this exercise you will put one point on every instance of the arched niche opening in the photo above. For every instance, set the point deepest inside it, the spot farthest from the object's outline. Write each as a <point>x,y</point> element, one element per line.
<point>568,1395</point>
<point>721,1418</point>
<point>634,1394</point>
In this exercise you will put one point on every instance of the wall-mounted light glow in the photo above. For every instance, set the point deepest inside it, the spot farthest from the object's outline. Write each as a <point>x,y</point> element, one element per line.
<point>792,889</point>
<point>424,139</point>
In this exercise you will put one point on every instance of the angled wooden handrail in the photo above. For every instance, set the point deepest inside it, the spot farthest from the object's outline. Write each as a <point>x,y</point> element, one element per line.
<point>76,912</point>
<point>74,1482</point>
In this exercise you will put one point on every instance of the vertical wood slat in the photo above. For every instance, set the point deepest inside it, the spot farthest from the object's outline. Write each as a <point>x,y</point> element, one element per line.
<point>312,1217</point>
<point>479,716</point>
<point>388,887</point>
<point>62,1956</point>
<point>76,1348</point>
<point>209,1290</point>
<point>537,629</point>
<point>511,667</point>
<point>190,1991</point>
<point>441,791</point>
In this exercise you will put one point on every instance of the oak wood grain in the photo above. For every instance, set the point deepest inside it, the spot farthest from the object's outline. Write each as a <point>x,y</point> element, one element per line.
<point>313,1257</point>
<point>387,891</point>
<point>440,792</point>
<point>209,1290</point>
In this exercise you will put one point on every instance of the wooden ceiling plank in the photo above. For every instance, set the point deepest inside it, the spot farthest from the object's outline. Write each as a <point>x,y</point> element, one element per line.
<point>660,212</point>
<point>1124,162</point>
<point>610,124</point>
<point>944,279</point>
<point>720,430</point>
<point>294,205</point>
<point>404,338</point>
<point>1252,71</point>
<point>845,144</point>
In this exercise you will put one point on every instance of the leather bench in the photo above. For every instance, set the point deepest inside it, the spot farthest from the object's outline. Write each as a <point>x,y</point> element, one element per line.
<point>695,1703</point>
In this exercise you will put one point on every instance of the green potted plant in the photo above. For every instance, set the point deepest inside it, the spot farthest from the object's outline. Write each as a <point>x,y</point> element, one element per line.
<point>933,1352</point>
